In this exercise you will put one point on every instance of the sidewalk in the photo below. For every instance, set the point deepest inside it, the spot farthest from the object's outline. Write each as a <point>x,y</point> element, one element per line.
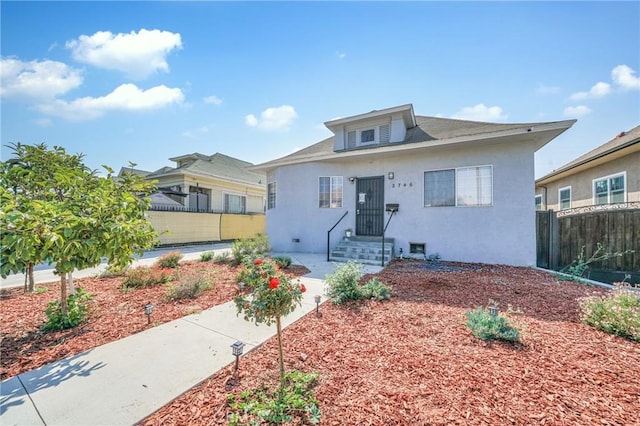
<point>122,382</point>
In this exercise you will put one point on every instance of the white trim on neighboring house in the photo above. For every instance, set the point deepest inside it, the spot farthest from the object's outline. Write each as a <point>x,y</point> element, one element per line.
<point>564,188</point>
<point>456,186</point>
<point>539,197</point>
<point>608,179</point>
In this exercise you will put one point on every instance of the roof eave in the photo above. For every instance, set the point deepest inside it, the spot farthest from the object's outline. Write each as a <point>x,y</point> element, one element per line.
<point>554,128</point>
<point>567,170</point>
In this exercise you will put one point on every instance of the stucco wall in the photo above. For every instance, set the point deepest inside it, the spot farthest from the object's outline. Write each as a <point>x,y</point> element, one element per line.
<point>582,183</point>
<point>502,233</point>
<point>184,227</point>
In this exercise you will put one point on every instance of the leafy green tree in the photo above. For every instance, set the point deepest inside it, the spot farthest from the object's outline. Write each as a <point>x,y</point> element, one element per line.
<point>58,210</point>
<point>271,296</point>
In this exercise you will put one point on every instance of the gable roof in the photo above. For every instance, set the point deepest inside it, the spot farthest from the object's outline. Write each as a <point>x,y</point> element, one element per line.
<point>218,166</point>
<point>429,132</point>
<point>620,142</point>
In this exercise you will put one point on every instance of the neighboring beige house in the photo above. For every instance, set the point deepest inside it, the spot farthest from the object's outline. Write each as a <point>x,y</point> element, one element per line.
<point>207,183</point>
<point>607,175</point>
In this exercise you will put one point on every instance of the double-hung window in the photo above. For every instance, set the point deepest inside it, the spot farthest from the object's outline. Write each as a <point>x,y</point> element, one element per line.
<point>610,189</point>
<point>330,192</point>
<point>235,203</point>
<point>538,202</point>
<point>461,187</point>
<point>271,195</point>
<point>564,198</point>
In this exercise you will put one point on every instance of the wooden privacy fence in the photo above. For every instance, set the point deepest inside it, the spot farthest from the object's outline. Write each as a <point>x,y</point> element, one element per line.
<point>560,237</point>
<point>197,227</point>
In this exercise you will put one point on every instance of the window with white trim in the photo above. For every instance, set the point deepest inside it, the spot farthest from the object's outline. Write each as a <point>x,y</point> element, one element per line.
<point>368,136</point>
<point>330,192</point>
<point>271,195</point>
<point>235,203</point>
<point>538,202</point>
<point>610,189</point>
<point>460,187</point>
<point>564,198</point>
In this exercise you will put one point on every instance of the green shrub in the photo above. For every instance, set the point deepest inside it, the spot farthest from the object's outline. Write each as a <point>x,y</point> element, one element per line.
<point>376,290</point>
<point>114,271</point>
<point>221,257</point>
<point>77,308</point>
<point>206,256</point>
<point>144,276</point>
<point>616,313</point>
<point>293,403</point>
<point>170,260</point>
<point>244,248</point>
<point>283,262</point>
<point>487,326</point>
<point>189,287</point>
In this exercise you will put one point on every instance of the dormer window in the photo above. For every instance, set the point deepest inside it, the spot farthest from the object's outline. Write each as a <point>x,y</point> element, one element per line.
<point>367,136</point>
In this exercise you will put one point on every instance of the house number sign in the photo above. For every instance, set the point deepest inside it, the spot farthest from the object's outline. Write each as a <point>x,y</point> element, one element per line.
<point>401,185</point>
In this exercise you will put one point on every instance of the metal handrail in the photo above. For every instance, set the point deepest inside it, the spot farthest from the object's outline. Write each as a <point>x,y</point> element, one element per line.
<point>329,233</point>
<point>393,212</point>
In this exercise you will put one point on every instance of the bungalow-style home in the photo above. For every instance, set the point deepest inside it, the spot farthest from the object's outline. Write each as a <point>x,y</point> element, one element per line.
<point>198,182</point>
<point>608,175</point>
<point>455,189</point>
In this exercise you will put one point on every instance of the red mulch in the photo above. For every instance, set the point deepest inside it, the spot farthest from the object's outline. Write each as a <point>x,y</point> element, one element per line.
<point>115,314</point>
<point>412,360</point>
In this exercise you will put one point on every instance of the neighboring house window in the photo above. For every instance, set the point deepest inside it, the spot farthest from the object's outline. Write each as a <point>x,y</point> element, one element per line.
<point>564,198</point>
<point>330,192</point>
<point>538,202</point>
<point>610,189</point>
<point>461,187</point>
<point>235,203</point>
<point>271,195</point>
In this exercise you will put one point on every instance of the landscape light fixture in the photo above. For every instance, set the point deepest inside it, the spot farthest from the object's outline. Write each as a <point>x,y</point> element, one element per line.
<point>493,310</point>
<point>236,349</point>
<point>317,299</point>
<point>148,308</point>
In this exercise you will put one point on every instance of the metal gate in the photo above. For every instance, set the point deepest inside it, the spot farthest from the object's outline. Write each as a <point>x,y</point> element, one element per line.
<point>370,206</point>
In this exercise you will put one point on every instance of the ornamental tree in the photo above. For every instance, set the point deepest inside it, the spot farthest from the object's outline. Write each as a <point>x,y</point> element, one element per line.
<point>56,209</point>
<point>270,295</point>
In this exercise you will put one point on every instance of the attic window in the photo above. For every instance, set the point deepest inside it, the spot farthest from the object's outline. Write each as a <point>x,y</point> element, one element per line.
<point>367,136</point>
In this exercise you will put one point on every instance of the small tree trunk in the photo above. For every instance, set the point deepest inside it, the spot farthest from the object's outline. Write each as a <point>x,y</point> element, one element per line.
<point>72,289</point>
<point>279,328</point>
<point>63,294</point>
<point>32,285</point>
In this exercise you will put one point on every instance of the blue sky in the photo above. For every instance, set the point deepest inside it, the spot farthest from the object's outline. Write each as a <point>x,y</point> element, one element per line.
<point>146,81</point>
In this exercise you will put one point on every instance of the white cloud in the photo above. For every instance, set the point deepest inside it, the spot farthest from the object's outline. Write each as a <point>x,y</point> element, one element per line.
<point>212,100</point>
<point>127,97</point>
<point>547,90</point>
<point>194,133</point>
<point>136,54</point>
<point>36,79</point>
<point>43,122</point>
<point>341,55</point>
<point>624,77</point>
<point>480,112</point>
<point>598,90</point>
<point>276,118</point>
<point>577,111</point>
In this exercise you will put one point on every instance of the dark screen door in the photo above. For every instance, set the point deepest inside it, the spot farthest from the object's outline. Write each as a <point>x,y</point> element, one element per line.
<point>370,206</point>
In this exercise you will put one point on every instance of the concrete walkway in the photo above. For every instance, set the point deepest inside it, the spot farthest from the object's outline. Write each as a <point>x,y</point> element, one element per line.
<point>123,382</point>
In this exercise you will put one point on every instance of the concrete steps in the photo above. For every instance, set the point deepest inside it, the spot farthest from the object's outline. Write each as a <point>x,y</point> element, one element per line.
<point>365,250</point>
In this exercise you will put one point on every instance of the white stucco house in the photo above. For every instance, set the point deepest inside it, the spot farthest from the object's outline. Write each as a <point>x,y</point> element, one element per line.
<point>463,189</point>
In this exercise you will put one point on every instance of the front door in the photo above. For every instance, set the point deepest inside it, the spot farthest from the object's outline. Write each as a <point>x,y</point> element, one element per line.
<point>370,206</point>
